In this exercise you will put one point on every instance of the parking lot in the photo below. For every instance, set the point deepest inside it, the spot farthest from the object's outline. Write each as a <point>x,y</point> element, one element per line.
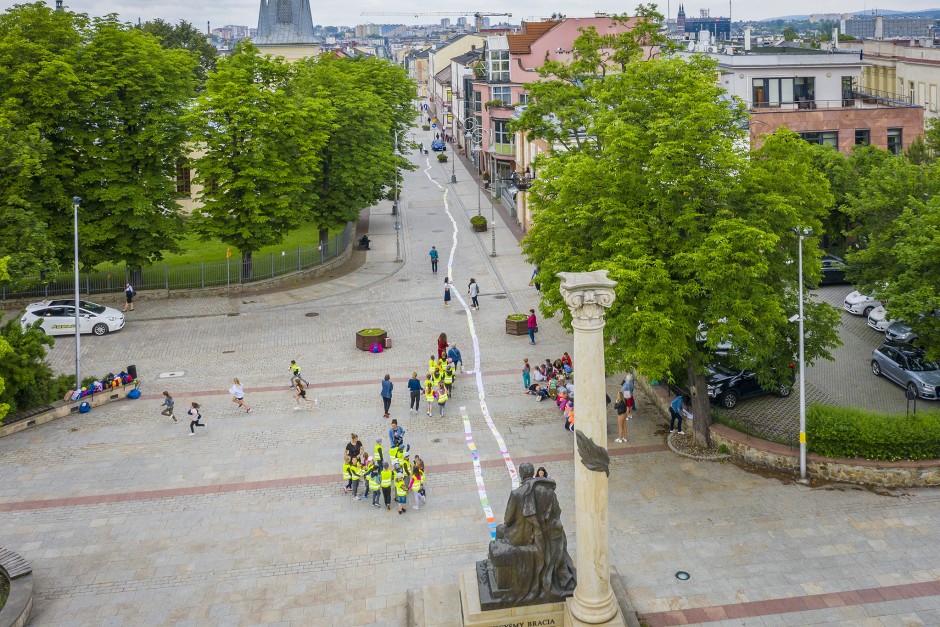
<point>846,380</point>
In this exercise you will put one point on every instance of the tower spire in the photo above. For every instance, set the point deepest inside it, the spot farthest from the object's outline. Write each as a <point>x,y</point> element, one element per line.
<point>285,22</point>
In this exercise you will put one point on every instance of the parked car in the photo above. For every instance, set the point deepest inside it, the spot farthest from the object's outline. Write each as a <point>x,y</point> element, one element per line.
<point>906,366</point>
<point>833,270</point>
<point>878,319</point>
<point>726,386</point>
<point>900,332</point>
<point>438,145</point>
<point>59,319</point>
<point>860,304</point>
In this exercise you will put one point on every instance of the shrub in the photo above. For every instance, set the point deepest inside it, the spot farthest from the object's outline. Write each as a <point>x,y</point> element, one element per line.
<point>442,157</point>
<point>478,221</point>
<point>371,332</point>
<point>425,127</point>
<point>517,317</point>
<point>857,433</point>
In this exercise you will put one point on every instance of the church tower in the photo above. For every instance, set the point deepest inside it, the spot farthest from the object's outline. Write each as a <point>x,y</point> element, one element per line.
<point>680,19</point>
<point>285,22</point>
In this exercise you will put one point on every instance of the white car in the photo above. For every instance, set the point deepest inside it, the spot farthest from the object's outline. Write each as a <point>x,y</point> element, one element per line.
<point>860,304</point>
<point>878,319</point>
<point>58,317</point>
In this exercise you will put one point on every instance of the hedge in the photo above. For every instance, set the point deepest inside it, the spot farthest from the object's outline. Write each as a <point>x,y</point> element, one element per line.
<point>856,433</point>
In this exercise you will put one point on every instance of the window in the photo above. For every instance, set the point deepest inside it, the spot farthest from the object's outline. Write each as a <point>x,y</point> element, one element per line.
<point>498,65</point>
<point>822,138</point>
<point>523,98</point>
<point>895,144</point>
<point>502,133</point>
<point>477,101</point>
<point>862,137</point>
<point>772,92</point>
<point>848,91</point>
<point>910,92</point>
<point>183,179</point>
<point>502,93</point>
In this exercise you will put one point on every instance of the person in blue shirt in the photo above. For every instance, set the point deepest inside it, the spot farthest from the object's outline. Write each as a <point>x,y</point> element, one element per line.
<point>396,435</point>
<point>433,255</point>
<point>414,387</point>
<point>386,393</point>
<point>675,411</point>
<point>454,355</point>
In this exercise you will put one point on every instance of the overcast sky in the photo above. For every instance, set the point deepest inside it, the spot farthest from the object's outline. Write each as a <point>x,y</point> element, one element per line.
<point>220,12</point>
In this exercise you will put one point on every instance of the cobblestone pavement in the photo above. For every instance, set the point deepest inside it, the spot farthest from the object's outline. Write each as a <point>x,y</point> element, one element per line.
<point>846,380</point>
<point>127,520</point>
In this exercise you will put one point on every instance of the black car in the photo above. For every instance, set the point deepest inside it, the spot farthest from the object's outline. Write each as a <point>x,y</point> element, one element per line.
<point>726,386</point>
<point>833,270</point>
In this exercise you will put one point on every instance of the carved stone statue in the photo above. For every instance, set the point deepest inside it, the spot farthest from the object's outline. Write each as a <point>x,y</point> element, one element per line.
<point>528,561</point>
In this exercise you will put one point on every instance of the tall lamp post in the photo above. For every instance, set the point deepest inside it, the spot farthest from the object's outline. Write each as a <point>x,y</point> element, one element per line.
<point>496,199</point>
<point>76,201</point>
<point>801,233</point>
<point>453,163</point>
<point>395,205</point>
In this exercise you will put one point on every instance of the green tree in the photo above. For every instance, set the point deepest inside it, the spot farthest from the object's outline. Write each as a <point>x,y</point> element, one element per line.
<point>132,139</point>
<point>371,101</point>
<point>28,380</point>
<point>695,230</point>
<point>43,90</point>
<point>789,34</point>
<point>261,152</point>
<point>5,348</point>
<point>187,37</point>
<point>897,216</point>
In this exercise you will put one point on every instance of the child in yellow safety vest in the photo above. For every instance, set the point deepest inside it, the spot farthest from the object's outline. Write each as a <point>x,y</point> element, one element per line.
<point>401,493</point>
<point>364,470</point>
<point>353,475</point>
<point>449,376</point>
<point>441,397</point>
<point>429,393</point>
<point>432,364</point>
<point>417,486</point>
<point>385,481</point>
<point>375,484</point>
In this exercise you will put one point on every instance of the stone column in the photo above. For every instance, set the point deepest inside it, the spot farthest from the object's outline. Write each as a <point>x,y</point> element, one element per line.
<point>588,294</point>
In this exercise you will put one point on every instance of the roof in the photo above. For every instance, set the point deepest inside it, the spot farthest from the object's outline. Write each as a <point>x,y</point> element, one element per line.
<point>468,57</point>
<point>443,77</point>
<point>521,43</point>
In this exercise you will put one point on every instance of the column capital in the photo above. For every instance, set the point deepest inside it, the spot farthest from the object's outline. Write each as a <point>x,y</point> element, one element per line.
<point>588,295</point>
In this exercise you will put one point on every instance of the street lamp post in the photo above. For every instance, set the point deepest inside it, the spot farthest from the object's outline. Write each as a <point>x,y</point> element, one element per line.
<point>76,201</point>
<point>801,234</point>
<point>453,163</point>
<point>493,211</point>
<point>395,206</point>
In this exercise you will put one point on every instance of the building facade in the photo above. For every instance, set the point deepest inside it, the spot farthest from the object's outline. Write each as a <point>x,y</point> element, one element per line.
<point>906,70</point>
<point>881,27</point>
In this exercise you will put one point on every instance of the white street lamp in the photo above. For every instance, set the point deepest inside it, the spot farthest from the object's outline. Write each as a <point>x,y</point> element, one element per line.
<point>395,205</point>
<point>76,201</point>
<point>801,234</point>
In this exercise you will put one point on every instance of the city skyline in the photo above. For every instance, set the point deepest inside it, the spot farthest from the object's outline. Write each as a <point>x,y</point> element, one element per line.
<point>245,12</point>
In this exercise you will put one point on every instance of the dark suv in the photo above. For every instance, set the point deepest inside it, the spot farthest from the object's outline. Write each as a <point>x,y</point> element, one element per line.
<point>726,386</point>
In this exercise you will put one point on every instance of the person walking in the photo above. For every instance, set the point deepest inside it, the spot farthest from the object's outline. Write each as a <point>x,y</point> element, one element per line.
<point>526,373</point>
<point>238,395</point>
<point>446,292</point>
<point>386,393</point>
<point>675,411</point>
<point>168,403</point>
<point>433,254</point>
<point>194,418</point>
<point>454,355</point>
<point>385,482</point>
<point>628,387</point>
<point>441,398</point>
<point>449,378</point>
<point>474,290</point>
<point>401,491</point>
<point>129,294</point>
<point>429,392</point>
<point>533,326</point>
<point>295,373</point>
<point>375,483</point>
<point>414,390</point>
<point>534,280</point>
<point>301,393</point>
<point>620,406</point>
<point>442,346</point>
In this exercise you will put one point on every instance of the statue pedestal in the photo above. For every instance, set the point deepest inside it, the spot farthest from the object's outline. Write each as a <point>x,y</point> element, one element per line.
<point>474,616</point>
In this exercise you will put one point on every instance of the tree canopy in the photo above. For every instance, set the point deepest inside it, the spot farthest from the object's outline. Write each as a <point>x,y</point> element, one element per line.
<point>650,180</point>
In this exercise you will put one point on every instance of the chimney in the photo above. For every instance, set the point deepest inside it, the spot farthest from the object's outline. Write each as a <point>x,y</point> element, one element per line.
<point>747,39</point>
<point>473,47</point>
<point>879,27</point>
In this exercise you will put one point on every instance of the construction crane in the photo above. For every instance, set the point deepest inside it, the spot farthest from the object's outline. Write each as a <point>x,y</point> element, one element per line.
<point>477,15</point>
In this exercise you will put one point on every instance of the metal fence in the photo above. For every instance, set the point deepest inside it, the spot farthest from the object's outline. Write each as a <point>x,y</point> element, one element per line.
<point>167,277</point>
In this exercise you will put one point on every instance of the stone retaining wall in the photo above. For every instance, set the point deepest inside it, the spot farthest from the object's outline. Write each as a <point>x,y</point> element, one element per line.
<point>60,409</point>
<point>786,459</point>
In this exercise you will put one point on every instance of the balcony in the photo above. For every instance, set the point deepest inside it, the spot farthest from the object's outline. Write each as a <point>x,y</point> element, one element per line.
<point>857,100</point>
<point>503,150</point>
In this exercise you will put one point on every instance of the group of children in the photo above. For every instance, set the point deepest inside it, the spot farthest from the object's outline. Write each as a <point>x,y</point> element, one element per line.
<point>381,475</point>
<point>438,385</point>
<point>557,383</point>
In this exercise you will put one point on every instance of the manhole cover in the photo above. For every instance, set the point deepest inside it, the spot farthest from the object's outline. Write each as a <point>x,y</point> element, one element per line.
<point>232,315</point>
<point>311,314</point>
<point>171,375</point>
<point>500,297</point>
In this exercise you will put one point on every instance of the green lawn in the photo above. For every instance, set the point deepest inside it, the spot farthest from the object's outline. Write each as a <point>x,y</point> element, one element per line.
<point>196,251</point>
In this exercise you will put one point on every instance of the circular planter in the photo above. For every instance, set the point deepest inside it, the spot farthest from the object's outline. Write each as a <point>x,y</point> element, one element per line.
<point>368,337</point>
<point>515,326</point>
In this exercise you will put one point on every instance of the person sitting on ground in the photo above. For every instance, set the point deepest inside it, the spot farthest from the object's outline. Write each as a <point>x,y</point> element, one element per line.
<point>364,242</point>
<point>539,374</point>
<point>569,418</point>
<point>552,387</point>
<point>562,401</point>
<point>540,392</point>
<point>558,366</point>
<point>566,360</point>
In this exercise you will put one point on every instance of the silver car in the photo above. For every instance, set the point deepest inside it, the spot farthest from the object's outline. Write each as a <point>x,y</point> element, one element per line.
<point>907,367</point>
<point>860,304</point>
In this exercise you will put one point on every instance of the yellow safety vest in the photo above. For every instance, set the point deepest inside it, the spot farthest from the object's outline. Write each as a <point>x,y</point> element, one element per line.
<point>416,484</point>
<point>441,398</point>
<point>405,466</point>
<point>374,482</point>
<point>400,488</point>
<point>379,455</point>
<point>429,392</point>
<point>386,479</point>
<point>432,365</point>
<point>437,376</point>
<point>393,452</point>
<point>449,375</point>
<point>346,472</point>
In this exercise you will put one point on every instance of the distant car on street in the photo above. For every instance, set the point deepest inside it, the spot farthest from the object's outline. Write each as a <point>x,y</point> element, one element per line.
<point>726,386</point>
<point>860,304</point>
<point>905,365</point>
<point>833,270</point>
<point>58,317</point>
<point>438,145</point>
<point>900,332</point>
<point>878,319</point>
